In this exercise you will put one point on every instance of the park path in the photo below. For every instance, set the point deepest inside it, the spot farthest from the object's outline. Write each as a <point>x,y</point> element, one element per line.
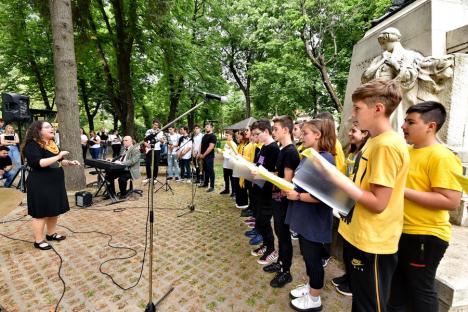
<point>205,257</point>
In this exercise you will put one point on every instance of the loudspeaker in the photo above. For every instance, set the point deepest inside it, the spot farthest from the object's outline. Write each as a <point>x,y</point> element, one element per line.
<point>15,107</point>
<point>83,199</point>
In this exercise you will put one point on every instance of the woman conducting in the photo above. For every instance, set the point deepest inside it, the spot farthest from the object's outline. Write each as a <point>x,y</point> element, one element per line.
<point>47,197</point>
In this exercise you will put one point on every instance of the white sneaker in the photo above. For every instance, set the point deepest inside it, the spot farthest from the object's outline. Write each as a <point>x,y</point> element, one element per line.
<point>267,259</point>
<point>188,181</point>
<point>242,207</point>
<point>259,251</point>
<point>145,181</point>
<point>307,303</point>
<point>299,291</point>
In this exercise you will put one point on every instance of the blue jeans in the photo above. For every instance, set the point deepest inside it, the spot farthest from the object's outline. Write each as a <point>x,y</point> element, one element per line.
<point>15,159</point>
<point>9,177</point>
<point>185,168</point>
<point>95,152</point>
<point>173,166</point>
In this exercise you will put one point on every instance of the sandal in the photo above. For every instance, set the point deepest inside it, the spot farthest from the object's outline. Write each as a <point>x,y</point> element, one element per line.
<point>55,237</point>
<point>42,245</point>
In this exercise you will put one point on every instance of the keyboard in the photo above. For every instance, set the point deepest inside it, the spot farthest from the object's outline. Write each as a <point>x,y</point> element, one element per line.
<point>108,166</point>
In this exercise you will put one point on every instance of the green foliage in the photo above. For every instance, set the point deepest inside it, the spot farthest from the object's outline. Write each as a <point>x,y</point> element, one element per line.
<point>251,50</point>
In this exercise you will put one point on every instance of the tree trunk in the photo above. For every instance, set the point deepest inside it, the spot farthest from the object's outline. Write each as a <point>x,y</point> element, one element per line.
<point>40,81</point>
<point>66,89</point>
<point>330,89</point>
<point>124,53</point>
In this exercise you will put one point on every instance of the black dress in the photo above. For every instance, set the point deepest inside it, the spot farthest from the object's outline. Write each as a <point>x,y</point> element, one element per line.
<point>46,192</point>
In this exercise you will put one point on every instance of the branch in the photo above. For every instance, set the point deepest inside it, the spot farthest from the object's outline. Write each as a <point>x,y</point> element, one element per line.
<point>104,16</point>
<point>335,49</point>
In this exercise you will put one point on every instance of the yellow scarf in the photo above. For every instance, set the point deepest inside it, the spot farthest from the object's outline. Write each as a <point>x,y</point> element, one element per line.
<point>51,147</point>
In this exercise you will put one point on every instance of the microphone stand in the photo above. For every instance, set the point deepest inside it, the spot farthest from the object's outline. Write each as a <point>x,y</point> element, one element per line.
<point>151,307</point>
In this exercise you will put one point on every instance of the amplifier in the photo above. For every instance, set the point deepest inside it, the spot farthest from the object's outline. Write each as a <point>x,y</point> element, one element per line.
<point>83,199</point>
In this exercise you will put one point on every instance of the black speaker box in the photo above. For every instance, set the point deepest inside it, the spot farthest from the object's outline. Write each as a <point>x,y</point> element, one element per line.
<point>83,199</point>
<point>15,107</point>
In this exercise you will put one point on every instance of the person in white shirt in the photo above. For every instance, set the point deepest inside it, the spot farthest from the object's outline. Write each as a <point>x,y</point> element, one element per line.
<point>173,171</point>
<point>94,145</point>
<point>116,142</point>
<point>184,153</point>
<point>84,142</point>
<point>198,163</point>
<point>156,137</point>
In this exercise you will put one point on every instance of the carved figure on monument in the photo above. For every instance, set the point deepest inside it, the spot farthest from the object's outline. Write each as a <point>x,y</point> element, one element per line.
<point>396,63</point>
<point>396,6</point>
<point>421,78</point>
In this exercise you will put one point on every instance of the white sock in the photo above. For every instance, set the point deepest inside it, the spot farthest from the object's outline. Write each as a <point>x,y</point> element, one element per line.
<point>315,299</point>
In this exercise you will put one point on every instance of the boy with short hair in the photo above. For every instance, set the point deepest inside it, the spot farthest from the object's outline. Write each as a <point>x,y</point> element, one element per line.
<point>431,191</point>
<point>372,229</point>
<point>286,164</point>
<point>262,196</point>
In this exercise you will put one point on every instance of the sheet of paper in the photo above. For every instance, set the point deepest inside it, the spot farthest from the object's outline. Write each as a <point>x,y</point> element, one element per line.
<point>315,180</point>
<point>281,183</point>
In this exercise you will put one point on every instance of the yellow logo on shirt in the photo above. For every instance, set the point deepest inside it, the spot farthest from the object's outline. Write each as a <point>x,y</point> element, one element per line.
<point>356,262</point>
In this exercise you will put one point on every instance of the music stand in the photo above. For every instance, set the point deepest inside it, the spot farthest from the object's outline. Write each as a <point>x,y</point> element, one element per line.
<point>191,207</point>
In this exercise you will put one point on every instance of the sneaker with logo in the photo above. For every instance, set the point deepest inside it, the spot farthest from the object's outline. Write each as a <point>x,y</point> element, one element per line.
<point>272,268</point>
<point>340,280</point>
<point>281,279</point>
<point>325,261</point>
<point>307,303</point>
<point>299,291</point>
<point>344,289</point>
<point>268,258</point>
<point>258,251</point>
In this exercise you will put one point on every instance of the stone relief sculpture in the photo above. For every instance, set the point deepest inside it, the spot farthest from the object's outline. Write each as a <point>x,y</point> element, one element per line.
<point>421,78</point>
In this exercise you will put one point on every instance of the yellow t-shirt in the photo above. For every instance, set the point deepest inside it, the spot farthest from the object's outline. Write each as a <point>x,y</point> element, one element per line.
<point>430,167</point>
<point>340,159</point>
<point>385,161</point>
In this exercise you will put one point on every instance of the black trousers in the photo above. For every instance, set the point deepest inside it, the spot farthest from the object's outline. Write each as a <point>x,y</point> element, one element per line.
<point>84,150</point>
<point>285,248</point>
<point>228,179</point>
<point>123,177</point>
<point>370,278</point>
<point>185,168</point>
<point>313,253</point>
<point>116,150</point>
<point>157,155</point>
<point>242,195</point>
<point>413,285</point>
<point>264,213</point>
<point>208,169</point>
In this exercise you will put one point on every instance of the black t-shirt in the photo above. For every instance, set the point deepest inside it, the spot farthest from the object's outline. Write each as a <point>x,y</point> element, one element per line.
<point>268,157</point>
<point>103,137</point>
<point>205,143</point>
<point>5,162</point>
<point>288,158</point>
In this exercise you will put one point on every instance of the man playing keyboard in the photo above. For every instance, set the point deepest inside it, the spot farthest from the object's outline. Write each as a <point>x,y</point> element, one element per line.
<point>130,157</point>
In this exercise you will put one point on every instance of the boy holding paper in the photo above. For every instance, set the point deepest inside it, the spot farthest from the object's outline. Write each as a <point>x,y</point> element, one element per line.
<point>288,160</point>
<point>261,129</point>
<point>372,229</point>
<point>431,191</point>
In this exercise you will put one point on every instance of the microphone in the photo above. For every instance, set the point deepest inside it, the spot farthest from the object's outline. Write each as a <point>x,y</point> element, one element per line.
<point>210,96</point>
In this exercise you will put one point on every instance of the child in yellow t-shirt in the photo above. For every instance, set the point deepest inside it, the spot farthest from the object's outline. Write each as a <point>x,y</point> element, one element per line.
<point>372,230</point>
<point>431,191</point>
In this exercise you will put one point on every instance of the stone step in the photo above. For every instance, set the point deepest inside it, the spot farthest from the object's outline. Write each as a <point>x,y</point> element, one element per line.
<point>452,274</point>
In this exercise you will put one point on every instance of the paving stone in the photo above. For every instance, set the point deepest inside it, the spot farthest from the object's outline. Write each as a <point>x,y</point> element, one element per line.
<point>205,257</point>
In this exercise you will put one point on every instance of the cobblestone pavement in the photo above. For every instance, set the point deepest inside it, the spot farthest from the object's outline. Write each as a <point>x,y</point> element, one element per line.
<point>205,257</point>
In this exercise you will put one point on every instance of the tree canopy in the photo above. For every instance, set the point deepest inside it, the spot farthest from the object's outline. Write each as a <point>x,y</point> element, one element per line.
<point>141,59</point>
